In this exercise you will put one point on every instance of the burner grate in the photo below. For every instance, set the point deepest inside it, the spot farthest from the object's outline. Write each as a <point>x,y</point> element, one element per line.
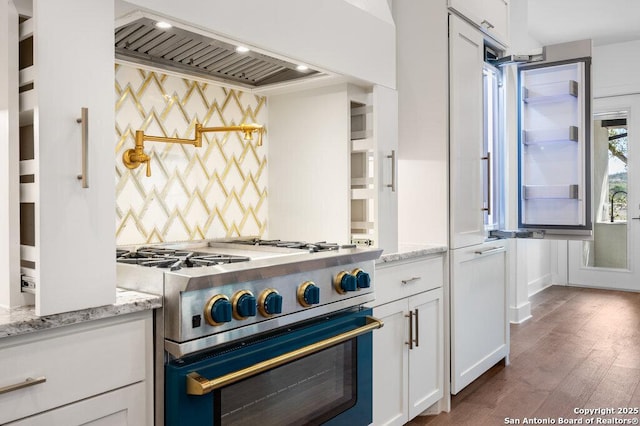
<point>311,247</point>
<point>174,259</point>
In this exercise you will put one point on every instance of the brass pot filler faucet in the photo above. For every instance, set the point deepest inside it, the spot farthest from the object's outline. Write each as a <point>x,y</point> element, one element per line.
<point>133,157</point>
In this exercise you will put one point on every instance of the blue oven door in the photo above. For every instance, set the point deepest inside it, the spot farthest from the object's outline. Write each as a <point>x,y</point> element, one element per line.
<point>318,372</point>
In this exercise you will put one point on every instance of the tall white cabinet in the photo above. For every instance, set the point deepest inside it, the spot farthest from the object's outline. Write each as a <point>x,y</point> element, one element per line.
<point>478,268</point>
<point>67,196</point>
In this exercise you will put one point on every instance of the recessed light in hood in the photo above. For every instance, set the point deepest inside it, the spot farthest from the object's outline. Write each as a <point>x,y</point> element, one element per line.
<point>179,50</point>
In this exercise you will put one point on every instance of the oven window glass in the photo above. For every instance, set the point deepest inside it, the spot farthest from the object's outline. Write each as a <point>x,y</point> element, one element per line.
<point>310,390</point>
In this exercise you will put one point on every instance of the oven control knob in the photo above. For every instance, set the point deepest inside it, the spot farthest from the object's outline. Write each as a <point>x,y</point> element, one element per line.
<point>362,278</point>
<point>218,310</point>
<point>270,303</point>
<point>344,282</point>
<point>244,305</point>
<point>308,294</point>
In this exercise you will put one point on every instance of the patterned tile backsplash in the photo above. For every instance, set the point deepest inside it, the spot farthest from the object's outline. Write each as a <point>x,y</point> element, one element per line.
<point>216,191</point>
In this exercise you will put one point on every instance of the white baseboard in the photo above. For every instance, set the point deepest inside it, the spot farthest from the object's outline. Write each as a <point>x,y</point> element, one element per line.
<point>538,285</point>
<point>520,314</point>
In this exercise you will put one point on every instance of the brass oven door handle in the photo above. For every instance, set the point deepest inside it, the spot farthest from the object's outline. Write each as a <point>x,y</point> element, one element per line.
<point>198,385</point>
<point>84,121</point>
<point>27,383</point>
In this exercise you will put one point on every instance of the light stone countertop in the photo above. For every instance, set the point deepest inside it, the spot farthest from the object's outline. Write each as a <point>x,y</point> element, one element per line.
<point>411,251</point>
<point>23,319</point>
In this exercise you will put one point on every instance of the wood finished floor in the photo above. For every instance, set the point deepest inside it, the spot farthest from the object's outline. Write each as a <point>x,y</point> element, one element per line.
<point>581,349</point>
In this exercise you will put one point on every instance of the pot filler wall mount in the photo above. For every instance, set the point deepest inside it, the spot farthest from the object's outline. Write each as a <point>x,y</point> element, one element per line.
<point>134,157</point>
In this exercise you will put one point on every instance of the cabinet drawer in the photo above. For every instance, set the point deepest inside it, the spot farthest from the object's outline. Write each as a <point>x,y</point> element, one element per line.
<point>402,279</point>
<point>77,362</point>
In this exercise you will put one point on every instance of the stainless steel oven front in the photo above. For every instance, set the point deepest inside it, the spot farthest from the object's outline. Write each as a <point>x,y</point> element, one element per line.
<point>313,372</point>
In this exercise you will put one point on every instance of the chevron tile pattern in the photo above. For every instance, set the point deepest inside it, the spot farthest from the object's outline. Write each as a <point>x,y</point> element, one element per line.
<point>218,190</point>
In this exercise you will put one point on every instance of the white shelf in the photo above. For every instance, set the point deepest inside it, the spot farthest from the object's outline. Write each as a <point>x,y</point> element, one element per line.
<point>532,192</point>
<point>363,194</point>
<point>27,101</point>
<point>26,29</point>
<point>361,110</point>
<point>27,75</point>
<point>363,225</point>
<point>28,253</point>
<point>27,167</point>
<point>361,134</point>
<point>564,134</point>
<point>362,181</point>
<point>362,145</point>
<point>28,192</point>
<point>550,92</point>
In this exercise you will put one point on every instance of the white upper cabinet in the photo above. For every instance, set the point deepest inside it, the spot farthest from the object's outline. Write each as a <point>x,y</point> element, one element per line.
<point>68,239</point>
<point>491,16</point>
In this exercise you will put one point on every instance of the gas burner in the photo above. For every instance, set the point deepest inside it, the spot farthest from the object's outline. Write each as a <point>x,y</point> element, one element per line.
<point>174,259</point>
<point>311,247</point>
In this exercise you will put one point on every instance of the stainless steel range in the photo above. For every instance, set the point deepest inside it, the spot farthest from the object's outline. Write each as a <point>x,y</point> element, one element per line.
<point>222,297</point>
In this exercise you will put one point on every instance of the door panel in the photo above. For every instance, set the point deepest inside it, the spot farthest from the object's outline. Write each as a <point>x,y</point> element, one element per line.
<point>609,260</point>
<point>554,148</point>
<point>466,50</point>
<point>479,326</point>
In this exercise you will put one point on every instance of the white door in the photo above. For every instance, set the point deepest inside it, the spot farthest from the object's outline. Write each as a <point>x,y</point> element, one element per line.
<point>425,358</point>
<point>466,62</point>
<point>479,325</point>
<point>608,260</point>
<point>74,234</point>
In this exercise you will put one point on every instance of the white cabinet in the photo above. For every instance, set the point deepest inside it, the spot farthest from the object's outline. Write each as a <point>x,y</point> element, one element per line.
<point>374,144</point>
<point>408,351</point>
<point>96,370</point>
<point>466,59</point>
<point>60,74</point>
<point>491,16</point>
<point>339,142</point>
<point>479,323</point>
<point>119,407</point>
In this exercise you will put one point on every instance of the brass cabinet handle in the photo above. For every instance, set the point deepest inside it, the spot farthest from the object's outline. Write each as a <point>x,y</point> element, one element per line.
<point>392,185</point>
<point>417,330</point>
<point>409,280</point>
<point>410,342</point>
<point>28,382</point>
<point>84,120</point>
<point>198,385</point>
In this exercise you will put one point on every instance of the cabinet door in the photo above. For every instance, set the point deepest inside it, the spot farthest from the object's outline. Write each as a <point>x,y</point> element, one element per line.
<point>426,357</point>
<point>491,16</point>
<point>75,238</point>
<point>496,20</point>
<point>390,365</point>
<point>466,50</point>
<point>385,130</point>
<point>124,406</point>
<point>479,327</point>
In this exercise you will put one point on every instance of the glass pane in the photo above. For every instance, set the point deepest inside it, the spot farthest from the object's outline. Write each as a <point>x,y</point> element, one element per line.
<point>308,391</point>
<point>609,246</point>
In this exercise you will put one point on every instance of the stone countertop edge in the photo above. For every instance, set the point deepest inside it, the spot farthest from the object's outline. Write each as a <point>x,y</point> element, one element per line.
<point>23,320</point>
<point>411,251</point>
